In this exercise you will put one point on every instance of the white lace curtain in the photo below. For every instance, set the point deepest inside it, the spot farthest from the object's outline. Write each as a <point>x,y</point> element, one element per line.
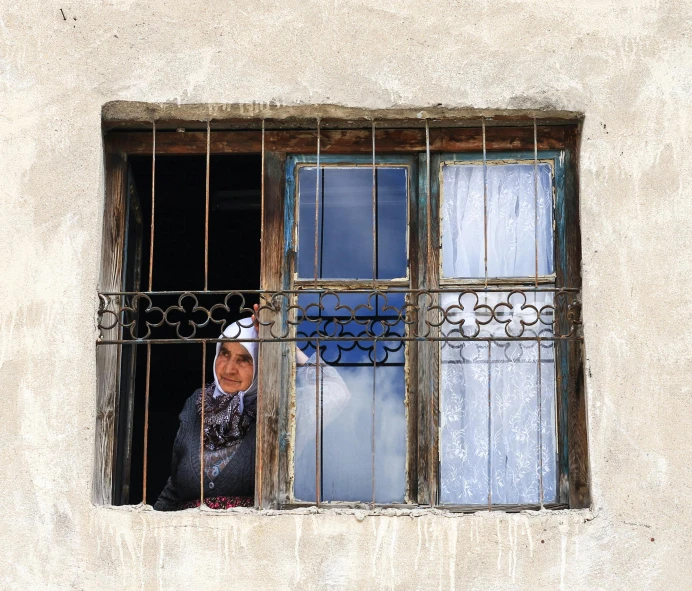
<point>511,220</point>
<point>498,423</point>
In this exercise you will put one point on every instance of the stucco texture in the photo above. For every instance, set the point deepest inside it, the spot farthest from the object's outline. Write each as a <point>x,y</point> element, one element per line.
<point>626,65</point>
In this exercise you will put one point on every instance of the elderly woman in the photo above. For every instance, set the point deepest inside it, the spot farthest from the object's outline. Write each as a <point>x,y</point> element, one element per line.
<point>230,411</point>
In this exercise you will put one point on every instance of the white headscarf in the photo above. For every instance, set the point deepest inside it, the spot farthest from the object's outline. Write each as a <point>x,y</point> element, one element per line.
<point>239,331</point>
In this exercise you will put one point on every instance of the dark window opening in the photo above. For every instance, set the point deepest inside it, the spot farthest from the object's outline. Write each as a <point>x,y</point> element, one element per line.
<point>179,242</point>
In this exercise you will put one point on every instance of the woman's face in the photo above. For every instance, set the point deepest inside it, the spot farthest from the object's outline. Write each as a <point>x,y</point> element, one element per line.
<point>234,368</point>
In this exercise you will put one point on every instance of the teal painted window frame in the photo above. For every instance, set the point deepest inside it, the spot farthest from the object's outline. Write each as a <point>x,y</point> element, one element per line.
<point>420,491</point>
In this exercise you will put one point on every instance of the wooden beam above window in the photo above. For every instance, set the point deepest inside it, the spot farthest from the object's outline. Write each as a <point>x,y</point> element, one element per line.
<point>133,115</point>
<point>338,141</point>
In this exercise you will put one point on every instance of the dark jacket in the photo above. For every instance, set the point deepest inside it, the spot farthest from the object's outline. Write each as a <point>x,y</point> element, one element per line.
<point>236,479</point>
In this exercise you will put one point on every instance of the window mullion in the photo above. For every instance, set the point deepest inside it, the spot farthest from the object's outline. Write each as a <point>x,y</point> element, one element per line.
<point>271,462</point>
<point>428,350</point>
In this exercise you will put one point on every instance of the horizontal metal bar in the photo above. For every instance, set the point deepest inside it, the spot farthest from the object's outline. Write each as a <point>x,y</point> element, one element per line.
<point>183,341</point>
<point>192,292</point>
<point>382,289</point>
<point>371,317</point>
<point>370,364</point>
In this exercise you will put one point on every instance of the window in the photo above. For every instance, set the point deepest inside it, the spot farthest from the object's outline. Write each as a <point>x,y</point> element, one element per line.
<point>350,289</point>
<point>432,266</point>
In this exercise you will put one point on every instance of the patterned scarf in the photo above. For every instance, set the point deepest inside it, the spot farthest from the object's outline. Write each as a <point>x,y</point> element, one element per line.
<point>224,423</point>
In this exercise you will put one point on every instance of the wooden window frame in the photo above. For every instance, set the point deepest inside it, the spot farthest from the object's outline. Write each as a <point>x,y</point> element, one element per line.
<point>274,478</point>
<point>291,281</point>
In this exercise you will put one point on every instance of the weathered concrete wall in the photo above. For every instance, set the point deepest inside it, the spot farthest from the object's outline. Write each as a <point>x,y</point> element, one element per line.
<point>627,66</point>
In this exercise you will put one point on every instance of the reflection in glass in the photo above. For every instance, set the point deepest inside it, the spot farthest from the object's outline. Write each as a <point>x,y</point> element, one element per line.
<point>511,220</point>
<point>345,232</point>
<point>346,454</point>
<point>501,456</point>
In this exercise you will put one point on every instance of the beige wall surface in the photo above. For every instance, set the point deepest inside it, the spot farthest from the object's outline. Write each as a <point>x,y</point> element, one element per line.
<point>626,65</point>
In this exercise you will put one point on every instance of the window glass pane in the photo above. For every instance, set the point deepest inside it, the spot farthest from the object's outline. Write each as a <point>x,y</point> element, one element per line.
<point>507,382</point>
<point>345,223</point>
<point>346,380</point>
<point>511,220</point>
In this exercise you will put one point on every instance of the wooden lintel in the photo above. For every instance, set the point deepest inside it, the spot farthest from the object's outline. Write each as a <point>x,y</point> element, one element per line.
<point>139,115</point>
<point>338,141</point>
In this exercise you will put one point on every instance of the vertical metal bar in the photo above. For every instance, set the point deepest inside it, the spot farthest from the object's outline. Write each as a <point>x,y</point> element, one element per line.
<point>374,285</point>
<point>431,475</point>
<point>318,426</point>
<point>259,432</point>
<point>146,426</point>
<point>540,423</point>
<point>317,200</point>
<point>262,192</point>
<point>485,204</point>
<point>427,184</point>
<point>374,210</point>
<point>318,429</point>
<point>151,281</point>
<point>374,389</point>
<point>485,270</point>
<point>206,211</point>
<point>430,276</point>
<point>201,429</point>
<point>490,433</point>
<point>153,203</point>
<point>538,342</point>
<point>535,193</point>
<point>321,429</point>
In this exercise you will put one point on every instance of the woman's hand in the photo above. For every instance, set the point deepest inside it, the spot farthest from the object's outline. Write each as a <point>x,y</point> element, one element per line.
<point>301,358</point>
<point>255,317</point>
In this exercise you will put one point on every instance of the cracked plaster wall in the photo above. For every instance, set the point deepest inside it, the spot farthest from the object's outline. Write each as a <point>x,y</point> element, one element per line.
<point>626,65</point>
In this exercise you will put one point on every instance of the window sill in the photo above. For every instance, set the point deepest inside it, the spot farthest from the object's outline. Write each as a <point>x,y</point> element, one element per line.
<point>360,512</point>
